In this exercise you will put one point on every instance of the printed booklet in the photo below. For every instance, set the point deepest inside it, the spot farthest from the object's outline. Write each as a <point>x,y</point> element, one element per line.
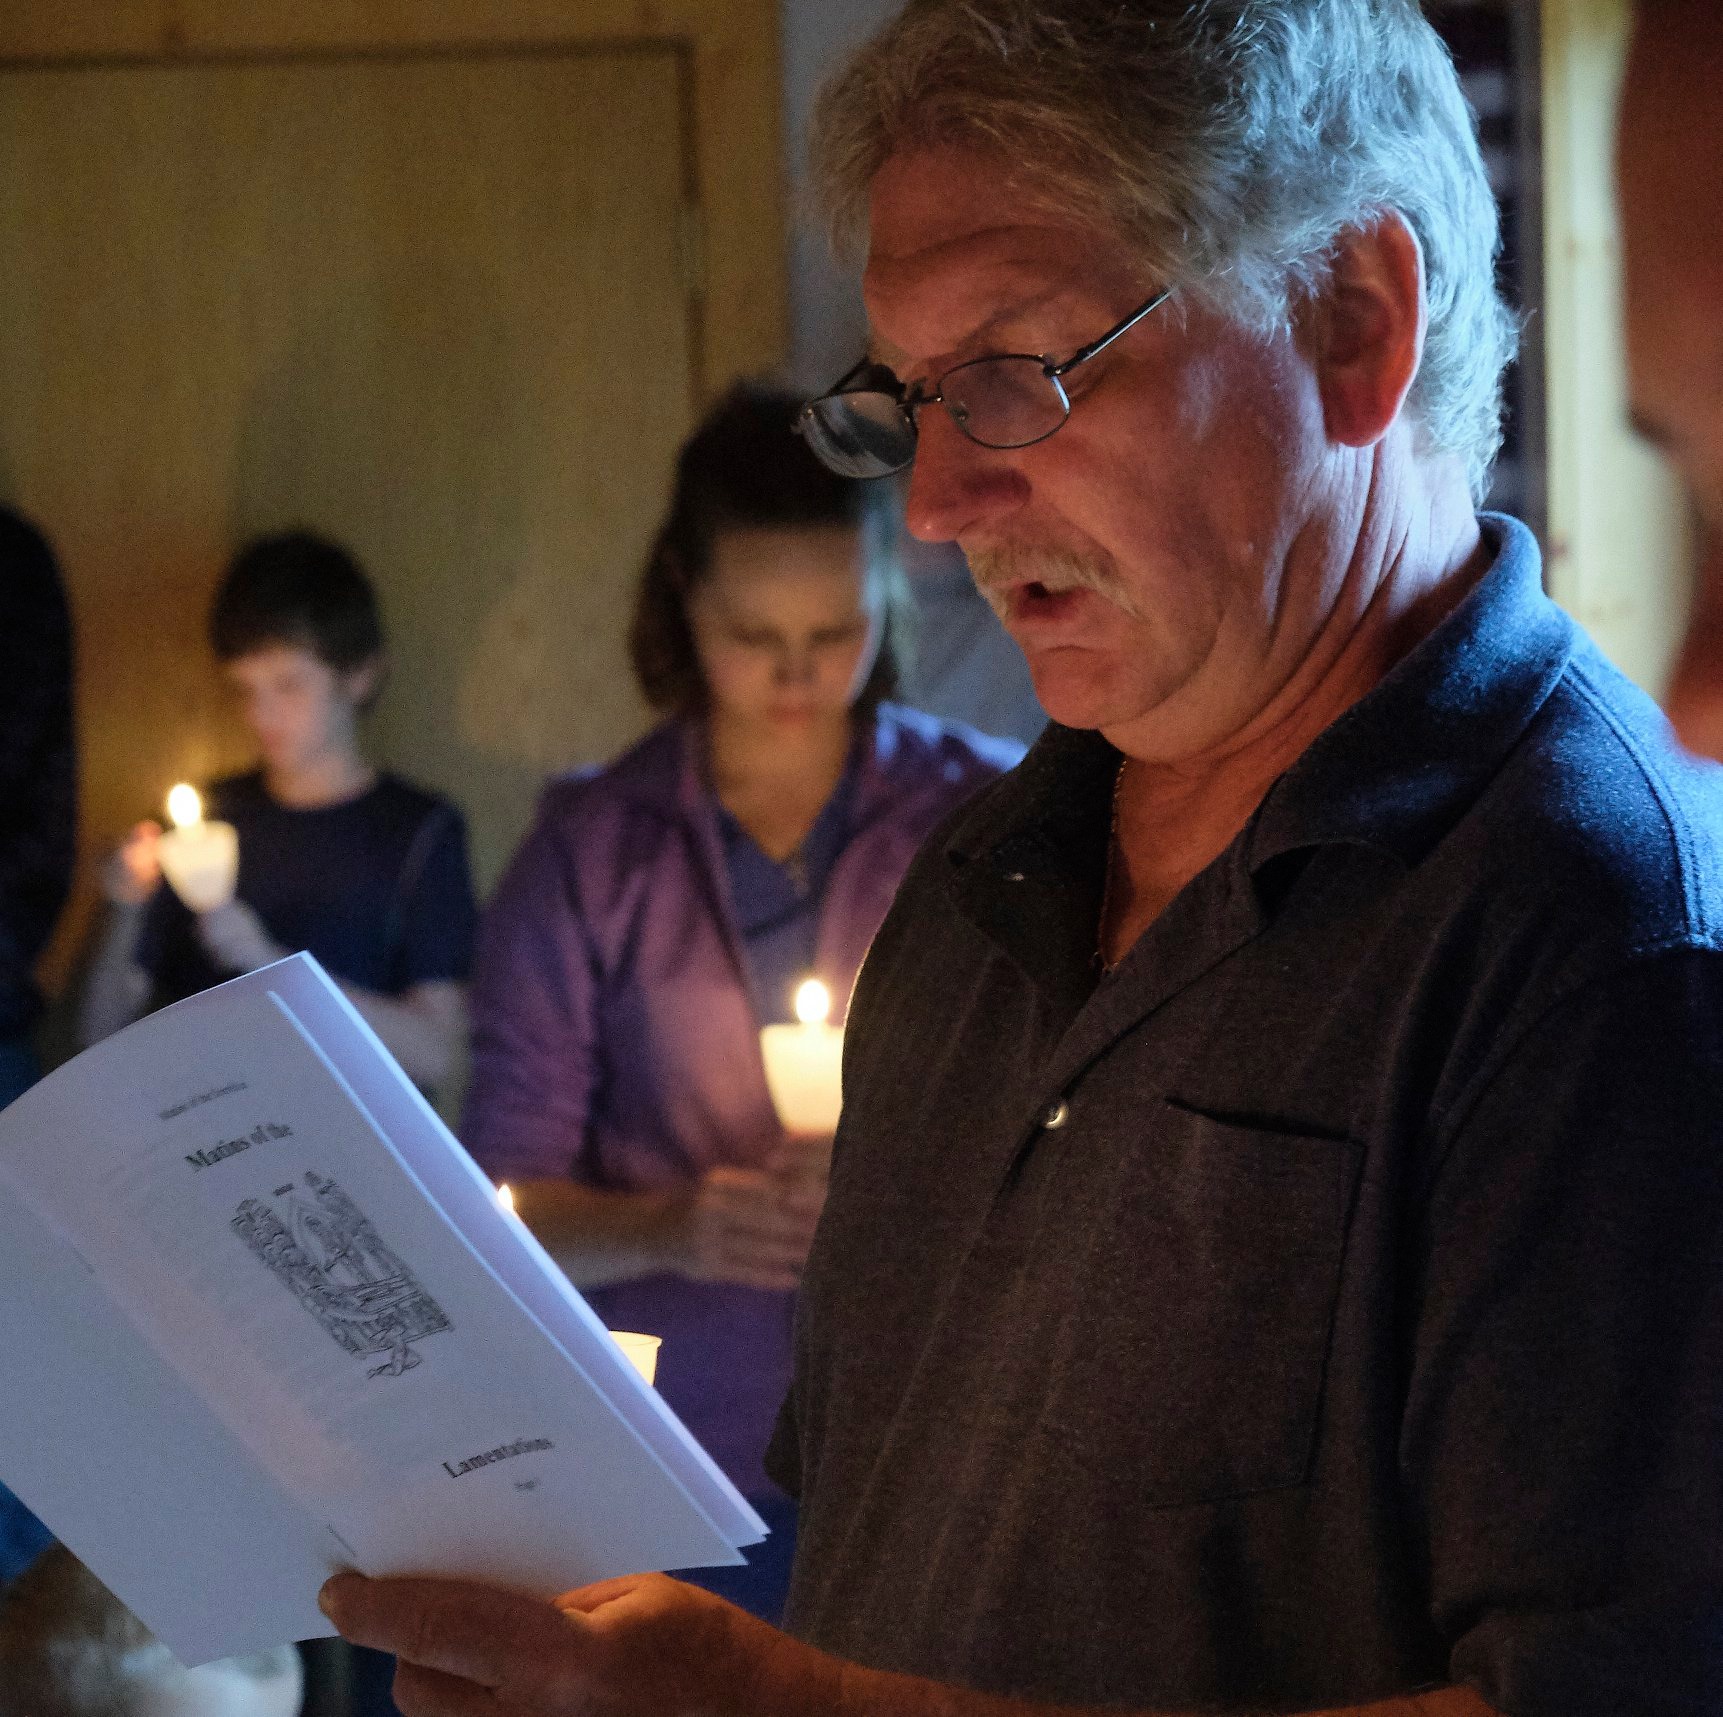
<point>261,1318</point>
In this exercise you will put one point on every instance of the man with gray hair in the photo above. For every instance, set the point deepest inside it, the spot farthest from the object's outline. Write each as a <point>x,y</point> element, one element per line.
<point>1274,1259</point>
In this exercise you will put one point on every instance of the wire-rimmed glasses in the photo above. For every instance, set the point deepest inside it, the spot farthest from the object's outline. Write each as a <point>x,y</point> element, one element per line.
<point>865,425</point>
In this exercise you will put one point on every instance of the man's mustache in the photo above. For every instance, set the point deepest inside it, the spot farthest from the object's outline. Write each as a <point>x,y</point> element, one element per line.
<point>997,569</point>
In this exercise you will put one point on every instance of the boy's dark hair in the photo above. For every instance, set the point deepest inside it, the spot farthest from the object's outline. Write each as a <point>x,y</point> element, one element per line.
<point>296,588</point>
<point>744,468</point>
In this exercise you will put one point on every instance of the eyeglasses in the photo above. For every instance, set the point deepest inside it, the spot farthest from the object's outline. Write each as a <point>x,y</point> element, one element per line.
<point>865,426</point>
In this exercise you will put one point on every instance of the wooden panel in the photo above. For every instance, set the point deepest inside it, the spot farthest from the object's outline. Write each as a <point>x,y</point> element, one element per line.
<point>432,305</point>
<point>733,103</point>
<point>1620,548</point>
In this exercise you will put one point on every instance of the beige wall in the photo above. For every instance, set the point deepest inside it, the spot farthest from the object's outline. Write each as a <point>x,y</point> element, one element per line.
<point>1620,553</point>
<point>450,286</point>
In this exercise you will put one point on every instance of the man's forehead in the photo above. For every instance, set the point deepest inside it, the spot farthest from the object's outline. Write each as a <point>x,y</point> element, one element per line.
<point>956,241</point>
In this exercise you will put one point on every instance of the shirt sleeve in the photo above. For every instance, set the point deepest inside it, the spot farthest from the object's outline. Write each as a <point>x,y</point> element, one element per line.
<point>439,918</point>
<point>1563,1434</point>
<point>534,1033</point>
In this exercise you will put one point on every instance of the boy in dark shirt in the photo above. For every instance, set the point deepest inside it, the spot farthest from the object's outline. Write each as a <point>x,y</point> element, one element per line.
<point>365,871</point>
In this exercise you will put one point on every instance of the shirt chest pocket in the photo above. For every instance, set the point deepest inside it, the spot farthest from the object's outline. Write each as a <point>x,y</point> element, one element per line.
<point>1202,1326</point>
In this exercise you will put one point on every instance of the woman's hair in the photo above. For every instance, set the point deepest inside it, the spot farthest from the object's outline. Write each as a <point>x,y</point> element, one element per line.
<point>1232,143</point>
<point>744,468</point>
<point>299,589</point>
<point>70,1648</point>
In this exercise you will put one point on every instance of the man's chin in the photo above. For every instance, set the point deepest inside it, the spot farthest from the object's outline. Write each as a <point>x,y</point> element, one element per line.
<point>1068,689</point>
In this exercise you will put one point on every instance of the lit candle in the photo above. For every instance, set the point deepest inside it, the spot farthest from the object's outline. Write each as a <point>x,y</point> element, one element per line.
<point>199,859</point>
<point>641,1351</point>
<point>804,1064</point>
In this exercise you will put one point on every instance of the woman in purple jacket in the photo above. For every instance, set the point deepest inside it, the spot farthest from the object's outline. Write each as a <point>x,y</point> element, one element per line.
<point>664,908</point>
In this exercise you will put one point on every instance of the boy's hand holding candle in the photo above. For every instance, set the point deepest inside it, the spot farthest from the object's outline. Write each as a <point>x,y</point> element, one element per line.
<point>234,937</point>
<point>133,871</point>
<point>200,859</point>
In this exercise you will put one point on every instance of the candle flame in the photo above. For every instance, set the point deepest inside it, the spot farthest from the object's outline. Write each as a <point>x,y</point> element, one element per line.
<point>185,807</point>
<point>506,1197</point>
<point>813,1002</point>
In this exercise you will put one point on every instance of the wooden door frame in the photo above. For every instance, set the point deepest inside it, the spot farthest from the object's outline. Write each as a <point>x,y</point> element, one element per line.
<point>736,231</point>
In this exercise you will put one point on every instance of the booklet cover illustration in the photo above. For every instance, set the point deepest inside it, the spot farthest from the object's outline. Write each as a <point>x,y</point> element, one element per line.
<point>326,1252</point>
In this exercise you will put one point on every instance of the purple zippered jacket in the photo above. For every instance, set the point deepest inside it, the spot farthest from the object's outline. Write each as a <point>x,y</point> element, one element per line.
<point>614,1039</point>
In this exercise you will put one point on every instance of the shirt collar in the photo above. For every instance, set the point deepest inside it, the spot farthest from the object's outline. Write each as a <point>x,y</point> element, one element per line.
<point>1399,768</point>
<point>1394,772</point>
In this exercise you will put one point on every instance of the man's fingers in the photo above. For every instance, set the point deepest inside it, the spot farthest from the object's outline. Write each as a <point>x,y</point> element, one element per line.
<point>586,1599</point>
<point>421,1692</point>
<point>456,1626</point>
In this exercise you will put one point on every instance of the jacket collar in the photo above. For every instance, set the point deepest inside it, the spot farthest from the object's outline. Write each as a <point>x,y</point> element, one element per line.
<point>666,771</point>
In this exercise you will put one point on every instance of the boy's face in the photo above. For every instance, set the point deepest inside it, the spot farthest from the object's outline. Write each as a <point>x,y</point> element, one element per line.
<point>299,709</point>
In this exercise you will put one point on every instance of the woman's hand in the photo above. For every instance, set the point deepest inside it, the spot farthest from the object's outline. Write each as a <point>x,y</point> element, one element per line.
<point>803,1161</point>
<point>133,871</point>
<point>751,1226</point>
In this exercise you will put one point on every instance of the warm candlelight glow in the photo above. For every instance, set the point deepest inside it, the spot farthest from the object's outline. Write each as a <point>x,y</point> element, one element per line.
<point>642,1351</point>
<point>803,1064</point>
<point>185,806</point>
<point>199,859</point>
<point>506,1197</point>
<point>813,1002</point>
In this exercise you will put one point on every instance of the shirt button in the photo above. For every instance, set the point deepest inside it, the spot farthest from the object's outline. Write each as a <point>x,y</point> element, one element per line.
<point>1056,1115</point>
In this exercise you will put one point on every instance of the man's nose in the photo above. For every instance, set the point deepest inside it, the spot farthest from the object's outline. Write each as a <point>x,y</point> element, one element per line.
<point>956,485</point>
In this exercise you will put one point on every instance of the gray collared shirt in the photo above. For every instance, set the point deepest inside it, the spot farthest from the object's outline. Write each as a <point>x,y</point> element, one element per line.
<point>1328,1302</point>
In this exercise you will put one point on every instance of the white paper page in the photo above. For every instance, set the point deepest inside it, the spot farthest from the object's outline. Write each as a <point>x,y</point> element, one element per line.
<point>134,1473</point>
<point>456,1183</point>
<point>394,1385</point>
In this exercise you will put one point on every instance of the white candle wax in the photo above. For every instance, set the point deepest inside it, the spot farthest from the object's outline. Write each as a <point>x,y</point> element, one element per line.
<point>804,1064</point>
<point>199,859</point>
<point>641,1351</point>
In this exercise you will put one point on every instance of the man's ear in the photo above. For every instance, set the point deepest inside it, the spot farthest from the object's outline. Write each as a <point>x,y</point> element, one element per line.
<point>1365,332</point>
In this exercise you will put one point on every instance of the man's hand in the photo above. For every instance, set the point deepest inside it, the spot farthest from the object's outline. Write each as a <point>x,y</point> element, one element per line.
<point>645,1646</point>
<point>749,1226</point>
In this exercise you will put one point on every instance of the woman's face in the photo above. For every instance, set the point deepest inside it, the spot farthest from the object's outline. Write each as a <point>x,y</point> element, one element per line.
<point>784,626</point>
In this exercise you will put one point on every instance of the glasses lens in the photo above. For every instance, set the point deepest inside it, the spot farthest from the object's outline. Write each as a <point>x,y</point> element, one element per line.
<point>1005,402</point>
<point>858,434</point>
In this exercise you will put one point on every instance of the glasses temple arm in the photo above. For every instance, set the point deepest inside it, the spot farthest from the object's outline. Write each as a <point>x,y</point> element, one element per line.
<point>1095,347</point>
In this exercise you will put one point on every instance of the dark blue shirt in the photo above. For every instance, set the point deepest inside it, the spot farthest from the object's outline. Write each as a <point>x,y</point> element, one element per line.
<point>1328,1302</point>
<point>777,904</point>
<point>377,888</point>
